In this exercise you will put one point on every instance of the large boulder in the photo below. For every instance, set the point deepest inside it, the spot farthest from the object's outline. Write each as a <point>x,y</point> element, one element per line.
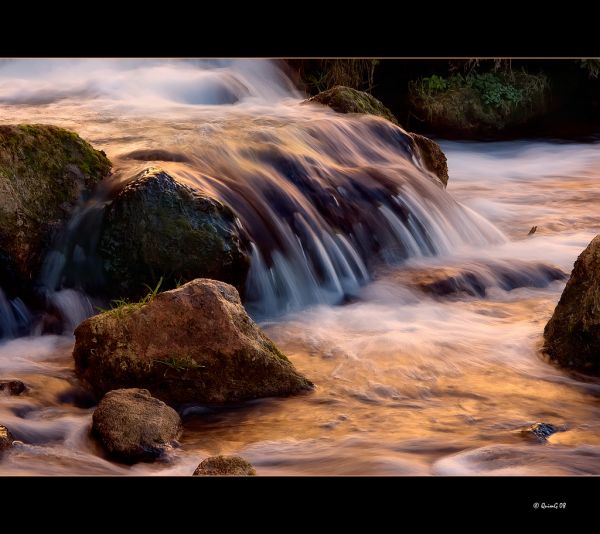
<point>44,171</point>
<point>225,466</point>
<point>159,228</point>
<point>347,100</point>
<point>572,336</point>
<point>133,426</point>
<point>6,438</point>
<point>194,344</point>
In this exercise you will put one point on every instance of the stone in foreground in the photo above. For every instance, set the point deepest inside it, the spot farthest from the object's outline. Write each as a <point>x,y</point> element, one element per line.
<point>572,336</point>
<point>195,344</point>
<point>225,466</point>
<point>133,426</point>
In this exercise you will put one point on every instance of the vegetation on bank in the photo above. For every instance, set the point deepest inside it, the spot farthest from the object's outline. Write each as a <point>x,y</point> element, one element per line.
<point>476,101</point>
<point>471,98</point>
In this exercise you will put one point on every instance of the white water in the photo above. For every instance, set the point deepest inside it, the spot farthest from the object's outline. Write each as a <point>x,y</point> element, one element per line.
<point>409,382</point>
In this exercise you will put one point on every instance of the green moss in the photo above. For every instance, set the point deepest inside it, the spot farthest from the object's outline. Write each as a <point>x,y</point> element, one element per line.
<point>479,101</point>
<point>43,172</point>
<point>347,100</point>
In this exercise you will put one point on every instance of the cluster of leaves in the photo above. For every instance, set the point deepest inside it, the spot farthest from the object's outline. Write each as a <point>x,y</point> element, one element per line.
<point>496,90</point>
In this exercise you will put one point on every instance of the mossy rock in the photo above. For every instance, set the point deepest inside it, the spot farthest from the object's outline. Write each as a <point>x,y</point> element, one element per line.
<point>432,156</point>
<point>572,336</point>
<point>194,344</point>
<point>44,171</point>
<point>158,228</point>
<point>347,100</point>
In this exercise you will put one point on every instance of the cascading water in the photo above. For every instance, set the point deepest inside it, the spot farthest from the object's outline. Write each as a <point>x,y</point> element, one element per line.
<point>431,364</point>
<point>324,198</point>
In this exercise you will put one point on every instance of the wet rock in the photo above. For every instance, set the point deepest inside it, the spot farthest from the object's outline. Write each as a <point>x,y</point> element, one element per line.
<point>6,438</point>
<point>156,228</point>
<point>12,387</point>
<point>224,466</point>
<point>539,431</point>
<point>432,156</point>
<point>134,426</point>
<point>347,100</point>
<point>194,344</point>
<point>572,336</point>
<point>44,170</point>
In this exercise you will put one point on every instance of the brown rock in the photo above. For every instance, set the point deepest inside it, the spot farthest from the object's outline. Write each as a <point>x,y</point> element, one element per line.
<point>194,344</point>
<point>572,336</point>
<point>432,156</point>
<point>225,466</point>
<point>134,426</point>
<point>6,438</point>
<point>12,387</point>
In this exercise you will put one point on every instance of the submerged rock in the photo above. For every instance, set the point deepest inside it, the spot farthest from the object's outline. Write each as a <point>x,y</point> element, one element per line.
<point>44,170</point>
<point>194,344</point>
<point>158,228</point>
<point>347,100</point>
<point>6,438</point>
<point>539,431</point>
<point>12,387</point>
<point>134,426</point>
<point>572,336</point>
<point>225,466</point>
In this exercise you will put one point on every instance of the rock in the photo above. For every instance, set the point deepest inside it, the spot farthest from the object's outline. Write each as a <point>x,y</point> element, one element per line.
<point>156,227</point>
<point>572,336</point>
<point>539,431</point>
<point>134,426</point>
<point>44,170</point>
<point>225,466</point>
<point>432,156</point>
<point>12,387</point>
<point>194,344</point>
<point>6,438</point>
<point>347,100</point>
<point>533,230</point>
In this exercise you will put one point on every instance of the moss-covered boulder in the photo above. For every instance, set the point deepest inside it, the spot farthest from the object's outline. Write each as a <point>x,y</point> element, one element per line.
<point>194,344</point>
<point>572,336</point>
<point>225,466</point>
<point>347,100</point>
<point>44,171</point>
<point>133,426</point>
<point>157,228</point>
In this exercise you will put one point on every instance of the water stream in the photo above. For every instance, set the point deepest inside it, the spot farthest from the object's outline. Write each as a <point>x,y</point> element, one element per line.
<point>417,311</point>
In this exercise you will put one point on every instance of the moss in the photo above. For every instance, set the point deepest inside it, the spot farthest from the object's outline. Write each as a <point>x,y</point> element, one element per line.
<point>156,227</point>
<point>347,100</point>
<point>43,172</point>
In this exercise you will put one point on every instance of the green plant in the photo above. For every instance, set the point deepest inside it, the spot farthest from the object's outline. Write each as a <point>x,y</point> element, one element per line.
<point>179,364</point>
<point>121,307</point>
<point>355,73</point>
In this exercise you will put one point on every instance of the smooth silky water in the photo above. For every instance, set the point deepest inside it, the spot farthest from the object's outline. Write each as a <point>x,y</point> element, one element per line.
<point>417,311</point>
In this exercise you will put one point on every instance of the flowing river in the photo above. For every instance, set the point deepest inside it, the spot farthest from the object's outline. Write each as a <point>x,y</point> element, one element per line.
<point>418,312</point>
